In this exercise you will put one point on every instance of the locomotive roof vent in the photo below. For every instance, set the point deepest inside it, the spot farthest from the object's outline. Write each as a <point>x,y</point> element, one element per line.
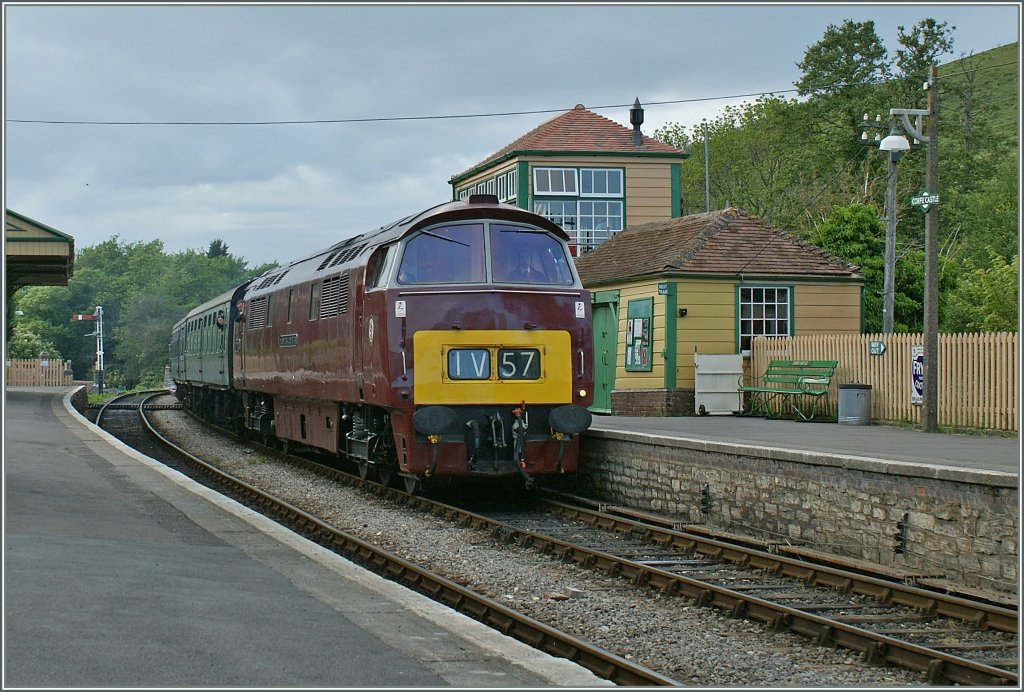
<point>483,199</point>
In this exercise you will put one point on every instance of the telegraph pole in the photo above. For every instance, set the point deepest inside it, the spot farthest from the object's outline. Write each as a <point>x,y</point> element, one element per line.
<point>930,398</point>
<point>707,183</point>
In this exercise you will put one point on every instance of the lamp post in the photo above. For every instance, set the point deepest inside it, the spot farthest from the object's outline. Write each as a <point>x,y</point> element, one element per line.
<point>895,144</point>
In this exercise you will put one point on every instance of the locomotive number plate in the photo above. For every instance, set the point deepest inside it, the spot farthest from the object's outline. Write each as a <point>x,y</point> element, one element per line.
<point>476,364</point>
<point>518,364</point>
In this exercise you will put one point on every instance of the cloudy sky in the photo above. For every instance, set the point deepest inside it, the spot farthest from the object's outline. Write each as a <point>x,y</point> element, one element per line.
<point>274,192</point>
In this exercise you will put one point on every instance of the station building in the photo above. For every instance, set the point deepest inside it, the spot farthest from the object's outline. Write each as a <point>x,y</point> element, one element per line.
<point>704,284</point>
<point>664,287</point>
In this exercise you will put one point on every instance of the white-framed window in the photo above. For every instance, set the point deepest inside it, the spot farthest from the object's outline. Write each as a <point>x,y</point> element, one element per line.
<point>598,221</point>
<point>554,181</point>
<point>508,184</point>
<point>464,193</point>
<point>600,182</point>
<point>763,311</point>
<point>600,215</point>
<point>562,212</point>
<point>597,211</point>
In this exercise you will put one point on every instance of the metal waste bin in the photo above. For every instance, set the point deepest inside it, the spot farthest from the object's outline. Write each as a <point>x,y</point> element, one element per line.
<point>854,404</point>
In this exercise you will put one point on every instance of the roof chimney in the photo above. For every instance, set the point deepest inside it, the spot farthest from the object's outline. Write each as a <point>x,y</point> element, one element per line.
<point>636,118</point>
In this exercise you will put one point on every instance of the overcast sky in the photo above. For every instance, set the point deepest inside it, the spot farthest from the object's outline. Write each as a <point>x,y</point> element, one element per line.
<point>275,192</point>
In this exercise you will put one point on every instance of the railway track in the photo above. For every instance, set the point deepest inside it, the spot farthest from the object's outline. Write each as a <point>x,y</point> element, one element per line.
<point>490,612</point>
<point>947,638</point>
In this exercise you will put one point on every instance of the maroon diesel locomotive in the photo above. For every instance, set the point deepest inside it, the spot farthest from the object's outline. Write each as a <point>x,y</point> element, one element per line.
<point>453,343</point>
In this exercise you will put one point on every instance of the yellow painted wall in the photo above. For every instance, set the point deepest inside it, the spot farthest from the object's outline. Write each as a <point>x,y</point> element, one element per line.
<point>826,308</point>
<point>709,327</point>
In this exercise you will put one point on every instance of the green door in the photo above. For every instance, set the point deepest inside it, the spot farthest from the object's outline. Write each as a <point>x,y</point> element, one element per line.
<point>606,332</point>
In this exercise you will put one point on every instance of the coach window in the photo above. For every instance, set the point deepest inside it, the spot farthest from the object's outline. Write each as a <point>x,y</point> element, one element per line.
<point>270,309</point>
<point>314,301</point>
<point>291,296</point>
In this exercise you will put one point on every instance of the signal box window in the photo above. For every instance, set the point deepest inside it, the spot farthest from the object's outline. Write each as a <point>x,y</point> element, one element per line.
<point>554,181</point>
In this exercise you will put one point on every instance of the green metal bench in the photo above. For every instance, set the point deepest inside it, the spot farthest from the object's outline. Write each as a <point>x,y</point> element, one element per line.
<point>796,386</point>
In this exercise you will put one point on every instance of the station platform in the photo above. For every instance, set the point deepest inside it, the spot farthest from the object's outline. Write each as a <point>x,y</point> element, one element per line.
<point>119,572</point>
<point>980,458</point>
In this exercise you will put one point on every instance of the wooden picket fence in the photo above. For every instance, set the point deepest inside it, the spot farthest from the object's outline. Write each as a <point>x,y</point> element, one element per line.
<point>33,372</point>
<point>977,373</point>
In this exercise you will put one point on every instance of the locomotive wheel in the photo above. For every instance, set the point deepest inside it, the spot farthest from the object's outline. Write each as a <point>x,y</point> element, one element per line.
<point>364,470</point>
<point>412,484</point>
<point>385,473</point>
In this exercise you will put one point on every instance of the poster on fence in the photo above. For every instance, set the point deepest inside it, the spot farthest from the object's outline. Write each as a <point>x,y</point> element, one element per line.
<point>916,375</point>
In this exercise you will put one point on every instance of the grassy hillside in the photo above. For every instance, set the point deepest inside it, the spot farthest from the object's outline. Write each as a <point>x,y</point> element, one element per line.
<point>996,94</point>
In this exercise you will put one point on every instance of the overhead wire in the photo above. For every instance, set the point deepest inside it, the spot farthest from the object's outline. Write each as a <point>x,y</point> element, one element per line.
<point>323,121</point>
<point>380,119</point>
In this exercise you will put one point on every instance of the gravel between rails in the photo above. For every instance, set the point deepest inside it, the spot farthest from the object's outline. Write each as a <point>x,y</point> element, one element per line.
<point>697,646</point>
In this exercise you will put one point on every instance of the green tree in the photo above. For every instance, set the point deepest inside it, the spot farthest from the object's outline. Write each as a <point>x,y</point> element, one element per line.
<point>747,164</point>
<point>847,58</point>
<point>986,298</point>
<point>217,249</point>
<point>922,46</point>
<point>856,234</point>
<point>28,344</point>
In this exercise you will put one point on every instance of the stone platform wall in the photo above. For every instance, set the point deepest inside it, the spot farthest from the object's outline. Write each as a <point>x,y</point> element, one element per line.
<point>959,525</point>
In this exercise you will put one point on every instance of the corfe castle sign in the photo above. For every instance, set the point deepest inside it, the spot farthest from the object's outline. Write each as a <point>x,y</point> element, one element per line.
<point>924,200</point>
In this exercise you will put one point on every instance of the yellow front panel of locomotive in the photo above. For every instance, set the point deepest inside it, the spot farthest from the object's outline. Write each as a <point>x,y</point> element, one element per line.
<point>435,385</point>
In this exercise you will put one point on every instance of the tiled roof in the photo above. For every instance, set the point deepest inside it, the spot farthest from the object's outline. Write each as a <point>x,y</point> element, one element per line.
<point>726,242</point>
<point>581,130</point>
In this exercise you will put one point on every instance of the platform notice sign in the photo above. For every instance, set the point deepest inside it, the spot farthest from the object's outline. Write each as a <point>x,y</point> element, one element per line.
<point>916,375</point>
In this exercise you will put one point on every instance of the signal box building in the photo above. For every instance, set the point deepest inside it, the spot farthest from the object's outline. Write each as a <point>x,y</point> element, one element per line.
<point>708,284</point>
<point>590,175</point>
